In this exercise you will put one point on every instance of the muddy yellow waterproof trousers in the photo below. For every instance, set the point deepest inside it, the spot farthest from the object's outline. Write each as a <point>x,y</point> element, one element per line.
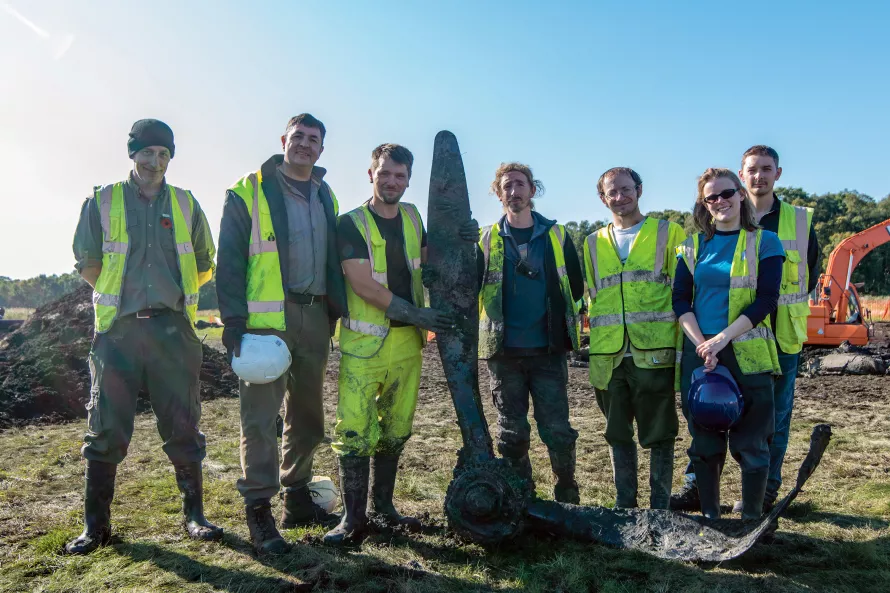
<point>378,396</point>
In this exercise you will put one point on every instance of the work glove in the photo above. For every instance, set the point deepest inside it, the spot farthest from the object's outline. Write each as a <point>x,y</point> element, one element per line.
<point>231,337</point>
<point>469,231</point>
<point>427,318</point>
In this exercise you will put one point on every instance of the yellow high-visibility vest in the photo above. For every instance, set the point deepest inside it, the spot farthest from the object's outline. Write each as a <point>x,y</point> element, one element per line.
<point>265,286</point>
<point>115,252</point>
<point>755,349</point>
<point>364,328</point>
<point>795,223</point>
<point>632,298</point>
<point>491,297</point>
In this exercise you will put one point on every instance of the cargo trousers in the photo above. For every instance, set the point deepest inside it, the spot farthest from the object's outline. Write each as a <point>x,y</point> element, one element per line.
<point>162,355</point>
<point>301,389</point>
<point>644,395</point>
<point>545,377</point>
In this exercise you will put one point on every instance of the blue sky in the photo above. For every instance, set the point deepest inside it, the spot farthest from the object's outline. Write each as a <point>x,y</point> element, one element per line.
<point>571,88</point>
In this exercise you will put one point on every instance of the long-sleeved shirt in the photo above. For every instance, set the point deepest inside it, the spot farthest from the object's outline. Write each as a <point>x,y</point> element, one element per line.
<point>151,279</point>
<point>707,294</point>
<point>307,240</point>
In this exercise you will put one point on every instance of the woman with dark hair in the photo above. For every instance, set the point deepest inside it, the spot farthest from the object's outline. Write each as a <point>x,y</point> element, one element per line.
<point>727,284</point>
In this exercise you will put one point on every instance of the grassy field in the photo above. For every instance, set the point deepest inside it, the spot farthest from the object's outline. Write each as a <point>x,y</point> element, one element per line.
<point>836,538</point>
<point>18,313</point>
<point>879,306</point>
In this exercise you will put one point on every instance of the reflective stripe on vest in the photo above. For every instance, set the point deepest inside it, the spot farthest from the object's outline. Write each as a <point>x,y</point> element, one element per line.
<point>755,349</point>
<point>795,223</point>
<point>265,286</point>
<point>362,332</point>
<point>633,297</point>
<point>115,252</point>
<point>491,305</point>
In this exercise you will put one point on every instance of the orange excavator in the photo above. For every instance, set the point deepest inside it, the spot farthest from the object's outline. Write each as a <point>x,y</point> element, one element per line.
<point>836,314</point>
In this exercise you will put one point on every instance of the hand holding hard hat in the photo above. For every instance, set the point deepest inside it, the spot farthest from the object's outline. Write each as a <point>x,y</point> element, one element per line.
<point>715,400</point>
<point>262,359</point>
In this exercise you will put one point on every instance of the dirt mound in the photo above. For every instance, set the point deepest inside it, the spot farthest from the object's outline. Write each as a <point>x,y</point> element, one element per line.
<point>44,375</point>
<point>847,359</point>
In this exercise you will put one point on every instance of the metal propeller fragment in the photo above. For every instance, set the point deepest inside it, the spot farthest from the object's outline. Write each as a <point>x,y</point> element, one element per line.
<point>486,501</point>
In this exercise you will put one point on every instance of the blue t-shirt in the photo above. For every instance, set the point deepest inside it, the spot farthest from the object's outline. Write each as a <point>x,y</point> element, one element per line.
<point>711,302</point>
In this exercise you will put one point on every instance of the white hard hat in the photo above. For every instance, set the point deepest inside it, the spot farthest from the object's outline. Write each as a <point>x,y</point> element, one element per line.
<point>324,493</point>
<point>263,359</point>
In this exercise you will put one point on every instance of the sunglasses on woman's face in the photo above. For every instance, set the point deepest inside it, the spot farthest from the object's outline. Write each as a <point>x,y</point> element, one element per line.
<point>725,194</point>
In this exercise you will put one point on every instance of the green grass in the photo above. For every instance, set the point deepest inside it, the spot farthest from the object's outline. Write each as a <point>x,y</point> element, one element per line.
<point>836,537</point>
<point>17,313</point>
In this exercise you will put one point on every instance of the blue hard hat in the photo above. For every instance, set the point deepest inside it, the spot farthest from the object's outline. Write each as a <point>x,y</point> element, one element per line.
<point>715,400</point>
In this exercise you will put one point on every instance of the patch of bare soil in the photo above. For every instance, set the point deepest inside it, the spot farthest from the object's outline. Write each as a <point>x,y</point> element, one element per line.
<point>44,373</point>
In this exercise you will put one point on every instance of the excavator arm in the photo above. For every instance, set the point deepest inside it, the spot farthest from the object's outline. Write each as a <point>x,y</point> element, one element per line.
<point>844,259</point>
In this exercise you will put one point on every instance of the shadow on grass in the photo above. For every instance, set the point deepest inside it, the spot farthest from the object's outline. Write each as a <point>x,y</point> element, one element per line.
<point>806,513</point>
<point>303,568</point>
<point>792,562</point>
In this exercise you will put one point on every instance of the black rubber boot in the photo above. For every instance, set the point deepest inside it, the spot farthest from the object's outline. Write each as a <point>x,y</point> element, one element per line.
<point>624,468</point>
<point>265,536</point>
<point>687,498</point>
<point>769,499</point>
<point>98,494</point>
<point>707,477</point>
<point>354,473</point>
<point>661,473</point>
<point>753,490</point>
<point>383,484</point>
<point>190,480</point>
<point>566,488</point>
<point>298,509</point>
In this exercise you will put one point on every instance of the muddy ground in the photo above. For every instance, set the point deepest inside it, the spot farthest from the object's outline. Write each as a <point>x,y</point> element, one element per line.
<point>44,373</point>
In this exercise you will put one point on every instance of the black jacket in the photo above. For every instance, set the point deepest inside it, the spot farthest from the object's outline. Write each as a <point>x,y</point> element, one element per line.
<point>234,240</point>
<point>559,334</point>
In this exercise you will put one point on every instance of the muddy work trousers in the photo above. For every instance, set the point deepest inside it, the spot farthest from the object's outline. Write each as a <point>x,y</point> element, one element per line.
<point>749,440</point>
<point>301,389</point>
<point>378,396</point>
<point>546,377</point>
<point>644,395</point>
<point>162,355</point>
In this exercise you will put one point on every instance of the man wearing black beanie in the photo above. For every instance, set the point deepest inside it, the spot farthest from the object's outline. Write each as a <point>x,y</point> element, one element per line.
<point>145,248</point>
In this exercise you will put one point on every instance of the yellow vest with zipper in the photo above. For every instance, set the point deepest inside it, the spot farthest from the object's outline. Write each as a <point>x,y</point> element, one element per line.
<point>795,223</point>
<point>755,349</point>
<point>265,286</point>
<point>115,252</point>
<point>632,299</point>
<point>491,297</point>
<point>365,327</point>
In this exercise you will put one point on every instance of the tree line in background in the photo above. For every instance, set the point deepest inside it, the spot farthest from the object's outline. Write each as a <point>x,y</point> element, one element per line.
<point>37,291</point>
<point>836,217</point>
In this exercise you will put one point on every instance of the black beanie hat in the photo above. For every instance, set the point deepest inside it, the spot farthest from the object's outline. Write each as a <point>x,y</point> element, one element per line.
<point>150,132</point>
